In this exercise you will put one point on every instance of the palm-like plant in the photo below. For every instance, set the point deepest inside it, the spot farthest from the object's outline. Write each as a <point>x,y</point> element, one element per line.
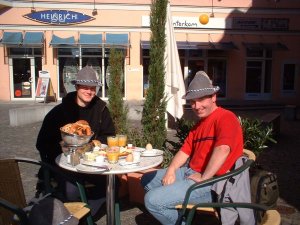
<point>256,134</point>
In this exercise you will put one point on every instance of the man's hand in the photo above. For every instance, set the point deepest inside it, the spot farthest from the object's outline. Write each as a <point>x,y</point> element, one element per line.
<point>197,177</point>
<point>178,160</point>
<point>169,178</point>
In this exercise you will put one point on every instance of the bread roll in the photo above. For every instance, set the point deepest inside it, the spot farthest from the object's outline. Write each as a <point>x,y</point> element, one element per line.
<point>82,122</point>
<point>149,147</point>
<point>96,143</point>
<point>129,158</point>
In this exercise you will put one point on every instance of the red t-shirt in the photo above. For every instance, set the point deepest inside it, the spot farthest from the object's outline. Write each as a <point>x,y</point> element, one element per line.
<point>221,127</point>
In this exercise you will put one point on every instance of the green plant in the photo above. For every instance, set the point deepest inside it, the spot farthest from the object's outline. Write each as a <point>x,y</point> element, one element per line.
<point>154,110</point>
<point>118,109</point>
<point>183,128</point>
<point>257,136</point>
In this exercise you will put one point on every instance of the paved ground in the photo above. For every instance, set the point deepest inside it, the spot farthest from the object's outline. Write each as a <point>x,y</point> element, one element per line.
<point>281,158</point>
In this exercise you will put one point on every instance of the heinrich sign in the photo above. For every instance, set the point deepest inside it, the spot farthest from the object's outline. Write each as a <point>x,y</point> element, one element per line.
<point>59,17</point>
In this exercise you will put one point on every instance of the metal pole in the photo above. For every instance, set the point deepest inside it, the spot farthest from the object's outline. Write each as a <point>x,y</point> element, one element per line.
<point>110,199</point>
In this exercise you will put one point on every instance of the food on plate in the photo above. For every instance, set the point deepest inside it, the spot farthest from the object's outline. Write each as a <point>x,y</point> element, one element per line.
<point>124,151</point>
<point>84,148</point>
<point>66,128</point>
<point>96,143</point>
<point>99,152</point>
<point>81,127</point>
<point>149,147</point>
<point>82,122</point>
<point>129,158</point>
<point>89,156</point>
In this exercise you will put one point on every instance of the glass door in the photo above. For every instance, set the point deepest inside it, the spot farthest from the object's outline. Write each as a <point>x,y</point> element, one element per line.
<point>22,78</point>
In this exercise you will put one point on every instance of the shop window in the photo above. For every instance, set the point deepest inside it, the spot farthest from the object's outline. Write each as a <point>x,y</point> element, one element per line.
<point>216,53</point>
<point>71,60</point>
<point>289,78</point>
<point>91,52</point>
<point>195,53</point>
<point>28,52</point>
<point>68,68</point>
<point>258,73</point>
<point>216,70</point>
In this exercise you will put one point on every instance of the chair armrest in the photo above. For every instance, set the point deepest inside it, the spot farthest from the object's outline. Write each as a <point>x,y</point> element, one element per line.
<point>47,168</point>
<point>216,179</point>
<point>16,210</point>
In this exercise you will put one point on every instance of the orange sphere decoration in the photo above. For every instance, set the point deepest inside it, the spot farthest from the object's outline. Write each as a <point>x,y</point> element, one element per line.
<point>203,19</point>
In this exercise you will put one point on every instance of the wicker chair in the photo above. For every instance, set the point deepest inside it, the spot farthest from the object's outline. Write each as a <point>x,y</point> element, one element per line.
<point>13,197</point>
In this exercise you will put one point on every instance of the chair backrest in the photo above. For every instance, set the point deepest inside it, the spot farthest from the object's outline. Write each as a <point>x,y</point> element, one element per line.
<point>11,187</point>
<point>12,198</point>
<point>183,208</point>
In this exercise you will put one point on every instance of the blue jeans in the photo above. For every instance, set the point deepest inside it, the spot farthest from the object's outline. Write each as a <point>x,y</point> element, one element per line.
<point>161,200</point>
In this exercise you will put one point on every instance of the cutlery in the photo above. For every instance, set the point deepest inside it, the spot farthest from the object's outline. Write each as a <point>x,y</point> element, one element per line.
<point>98,167</point>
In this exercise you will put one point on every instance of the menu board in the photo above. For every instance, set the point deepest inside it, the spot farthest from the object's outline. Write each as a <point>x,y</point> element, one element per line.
<point>44,88</point>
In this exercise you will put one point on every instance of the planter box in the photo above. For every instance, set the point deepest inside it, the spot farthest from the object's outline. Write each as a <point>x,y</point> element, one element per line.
<point>135,189</point>
<point>123,189</point>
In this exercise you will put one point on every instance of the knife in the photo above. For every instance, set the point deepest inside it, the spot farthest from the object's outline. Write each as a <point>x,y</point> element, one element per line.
<point>98,167</point>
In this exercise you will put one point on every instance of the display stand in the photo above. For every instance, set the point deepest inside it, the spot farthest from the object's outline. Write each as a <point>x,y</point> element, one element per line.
<point>44,88</point>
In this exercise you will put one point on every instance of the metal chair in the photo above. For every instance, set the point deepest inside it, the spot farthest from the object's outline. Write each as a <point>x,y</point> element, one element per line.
<point>13,197</point>
<point>187,211</point>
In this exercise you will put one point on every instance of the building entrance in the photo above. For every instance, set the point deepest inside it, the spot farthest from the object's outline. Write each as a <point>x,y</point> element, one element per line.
<point>23,77</point>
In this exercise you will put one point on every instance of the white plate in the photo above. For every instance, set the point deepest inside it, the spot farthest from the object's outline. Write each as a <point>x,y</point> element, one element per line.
<point>89,169</point>
<point>138,149</point>
<point>153,152</point>
<point>92,163</point>
<point>128,164</point>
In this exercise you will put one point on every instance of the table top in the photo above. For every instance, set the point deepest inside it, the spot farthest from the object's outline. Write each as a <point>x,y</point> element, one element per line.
<point>144,164</point>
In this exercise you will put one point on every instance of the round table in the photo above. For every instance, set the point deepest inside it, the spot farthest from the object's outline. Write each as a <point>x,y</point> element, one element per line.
<point>144,164</point>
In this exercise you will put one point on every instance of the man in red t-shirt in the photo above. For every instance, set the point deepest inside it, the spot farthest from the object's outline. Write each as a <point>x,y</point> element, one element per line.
<point>211,148</point>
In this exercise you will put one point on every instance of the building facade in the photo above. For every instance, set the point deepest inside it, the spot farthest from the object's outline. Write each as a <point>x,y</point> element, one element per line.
<point>251,49</point>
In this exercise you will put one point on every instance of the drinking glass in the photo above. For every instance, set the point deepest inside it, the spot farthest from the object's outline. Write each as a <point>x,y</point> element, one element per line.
<point>112,141</point>
<point>122,140</point>
<point>112,155</point>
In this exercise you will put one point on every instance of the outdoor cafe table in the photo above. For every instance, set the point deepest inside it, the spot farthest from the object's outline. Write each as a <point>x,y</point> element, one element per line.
<point>145,163</point>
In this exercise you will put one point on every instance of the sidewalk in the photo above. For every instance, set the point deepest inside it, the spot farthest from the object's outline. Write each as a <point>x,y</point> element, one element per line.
<point>281,158</point>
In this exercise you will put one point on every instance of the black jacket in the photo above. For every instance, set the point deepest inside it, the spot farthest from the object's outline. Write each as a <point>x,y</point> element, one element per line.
<point>96,114</point>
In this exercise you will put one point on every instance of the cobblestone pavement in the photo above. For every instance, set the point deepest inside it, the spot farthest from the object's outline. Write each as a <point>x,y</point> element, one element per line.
<point>281,158</point>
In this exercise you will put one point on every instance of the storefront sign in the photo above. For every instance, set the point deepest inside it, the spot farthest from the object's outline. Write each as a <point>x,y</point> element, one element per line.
<point>59,17</point>
<point>193,22</point>
<point>266,24</point>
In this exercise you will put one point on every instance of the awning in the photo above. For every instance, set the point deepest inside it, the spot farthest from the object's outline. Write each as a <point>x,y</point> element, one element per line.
<point>269,46</point>
<point>33,39</point>
<point>12,38</point>
<point>119,40</point>
<point>58,42</point>
<point>198,45</point>
<point>90,40</point>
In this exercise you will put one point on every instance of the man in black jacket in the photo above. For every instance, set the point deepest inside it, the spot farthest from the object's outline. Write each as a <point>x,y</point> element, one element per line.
<point>83,104</point>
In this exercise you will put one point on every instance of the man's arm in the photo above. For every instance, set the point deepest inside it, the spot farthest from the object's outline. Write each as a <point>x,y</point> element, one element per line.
<point>216,160</point>
<point>179,159</point>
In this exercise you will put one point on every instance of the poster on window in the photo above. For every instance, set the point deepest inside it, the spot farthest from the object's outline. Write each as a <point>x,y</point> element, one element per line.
<point>42,87</point>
